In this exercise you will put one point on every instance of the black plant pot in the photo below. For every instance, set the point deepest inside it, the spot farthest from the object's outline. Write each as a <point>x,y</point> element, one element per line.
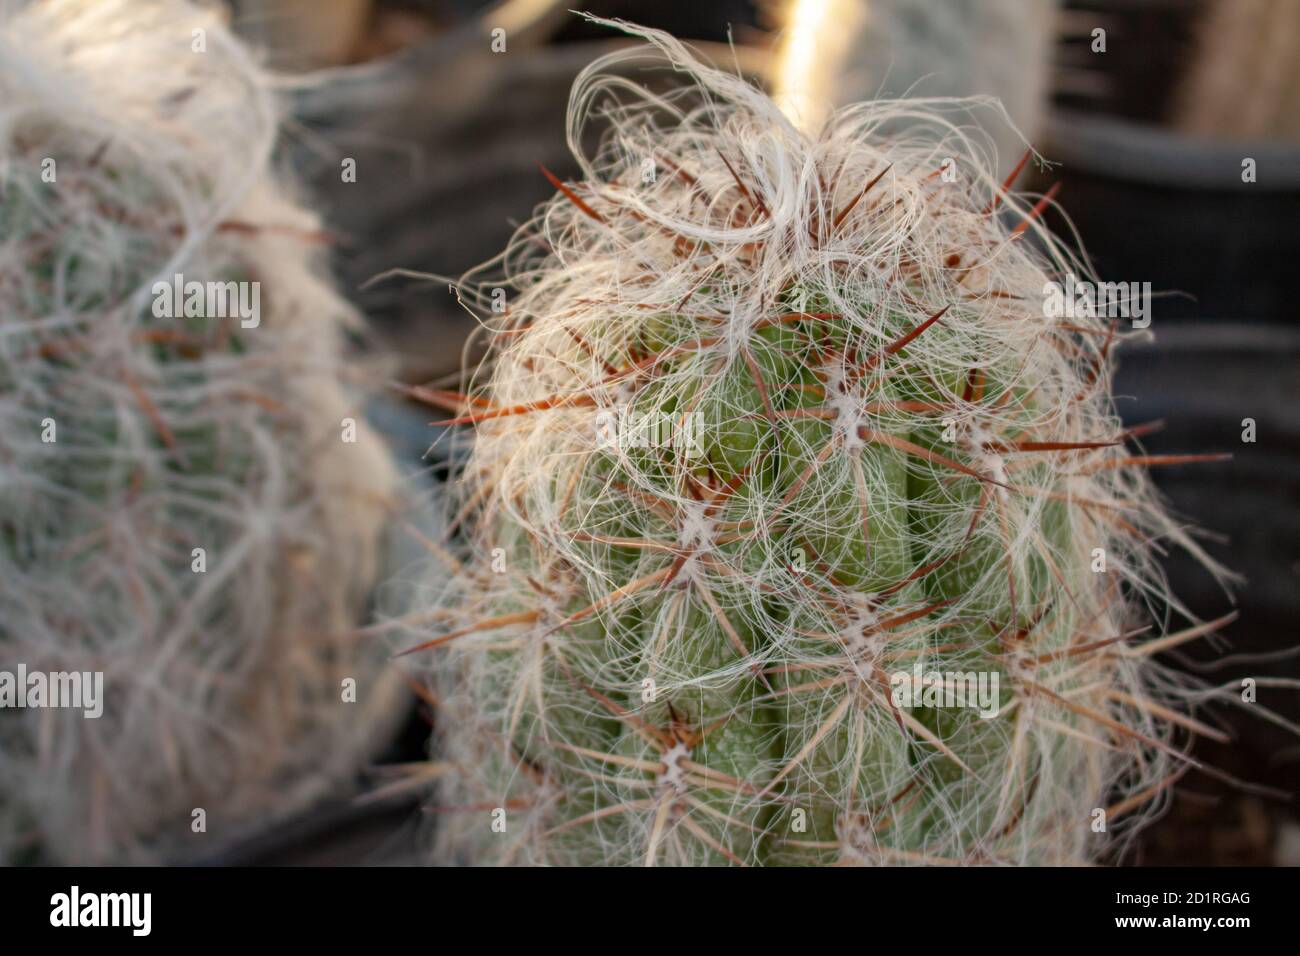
<point>1204,379</point>
<point>1156,206</point>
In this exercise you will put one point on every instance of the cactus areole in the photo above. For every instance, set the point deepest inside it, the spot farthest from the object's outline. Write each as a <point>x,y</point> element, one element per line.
<point>797,532</point>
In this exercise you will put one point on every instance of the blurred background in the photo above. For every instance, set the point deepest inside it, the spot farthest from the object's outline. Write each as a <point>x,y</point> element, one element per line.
<point>1173,129</point>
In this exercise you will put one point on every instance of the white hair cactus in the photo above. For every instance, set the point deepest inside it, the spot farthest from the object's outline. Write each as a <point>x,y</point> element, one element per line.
<point>797,532</point>
<point>189,502</point>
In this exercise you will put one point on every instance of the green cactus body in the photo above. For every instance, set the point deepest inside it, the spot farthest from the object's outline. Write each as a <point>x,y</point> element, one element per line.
<point>903,472</point>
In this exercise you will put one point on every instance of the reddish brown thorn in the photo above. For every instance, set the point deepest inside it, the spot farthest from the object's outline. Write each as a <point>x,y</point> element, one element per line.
<point>730,487</point>
<point>753,198</point>
<point>810,745</point>
<point>909,405</point>
<point>807,388</point>
<point>655,504</point>
<point>613,597</point>
<point>902,342</point>
<point>1006,183</point>
<point>646,803</point>
<point>650,362</point>
<point>441,398</point>
<point>1106,721</point>
<point>652,734</point>
<point>974,391</point>
<point>839,218</point>
<point>1169,641</point>
<point>902,444</point>
<point>491,624</point>
<point>974,518</point>
<point>897,714</point>
<point>692,738</point>
<point>424,693</point>
<point>687,177</point>
<point>1037,210</point>
<point>824,199</point>
<point>675,569</point>
<point>687,297</point>
<point>918,573</point>
<point>890,623</point>
<point>558,401</point>
<point>759,384</point>
<point>729,629</point>
<point>1003,447</point>
<point>1116,810</point>
<point>1021,805</point>
<point>1082,649</point>
<point>1022,633</point>
<point>1146,428</point>
<point>1011,570</point>
<point>1097,363</point>
<point>537,586</point>
<point>151,411</point>
<point>570,195</point>
<point>609,369</point>
<point>822,457</point>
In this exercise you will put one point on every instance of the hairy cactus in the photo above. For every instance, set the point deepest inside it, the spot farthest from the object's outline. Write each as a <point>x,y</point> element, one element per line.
<point>798,533</point>
<point>178,511</point>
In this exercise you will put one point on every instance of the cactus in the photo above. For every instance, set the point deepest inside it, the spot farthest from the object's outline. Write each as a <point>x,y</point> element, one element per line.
<point>873,592</point>
<point>177,508</point>
<point>994,48</point>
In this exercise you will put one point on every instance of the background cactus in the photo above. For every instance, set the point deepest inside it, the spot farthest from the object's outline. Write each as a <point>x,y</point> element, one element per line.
<point>681,653</point>
<point>136,141</point>
<point>838,52</point>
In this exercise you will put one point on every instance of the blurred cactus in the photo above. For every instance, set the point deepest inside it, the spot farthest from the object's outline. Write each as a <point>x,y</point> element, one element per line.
<point>189,502</point>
